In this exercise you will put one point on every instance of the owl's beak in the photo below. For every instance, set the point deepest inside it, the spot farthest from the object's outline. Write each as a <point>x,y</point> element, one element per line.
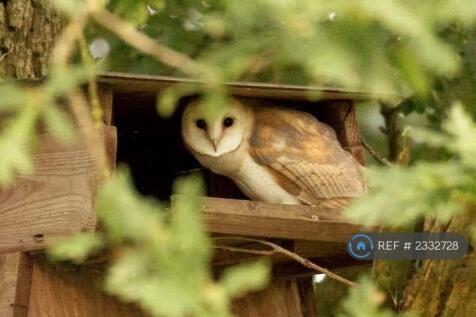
<point>214,135</point>
<point>215,144</point>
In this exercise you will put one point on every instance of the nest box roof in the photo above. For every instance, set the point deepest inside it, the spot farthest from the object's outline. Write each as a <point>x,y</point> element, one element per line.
<point>126,82</point>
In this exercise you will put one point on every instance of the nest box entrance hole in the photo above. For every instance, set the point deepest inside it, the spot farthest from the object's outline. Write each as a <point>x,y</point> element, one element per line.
<point>153,148</point>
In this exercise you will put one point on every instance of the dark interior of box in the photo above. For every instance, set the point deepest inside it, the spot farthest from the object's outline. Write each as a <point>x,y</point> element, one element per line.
<point>153,148</point>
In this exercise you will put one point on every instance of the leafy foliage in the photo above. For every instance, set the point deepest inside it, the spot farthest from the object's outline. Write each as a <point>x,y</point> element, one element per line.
<point>436,189</point>
<point>410,48</point>
<point>364,301</point>
<point>385,46</point>
<point>380,46</point>
<point>163,263</point>
<point>24,107</point>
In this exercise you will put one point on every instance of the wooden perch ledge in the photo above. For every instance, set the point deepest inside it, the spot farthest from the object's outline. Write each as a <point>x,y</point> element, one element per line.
<point>259,219</point>
<point>221,216</point>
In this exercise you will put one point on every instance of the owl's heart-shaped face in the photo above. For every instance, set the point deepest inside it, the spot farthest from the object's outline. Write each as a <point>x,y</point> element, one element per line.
<point>215,133</point>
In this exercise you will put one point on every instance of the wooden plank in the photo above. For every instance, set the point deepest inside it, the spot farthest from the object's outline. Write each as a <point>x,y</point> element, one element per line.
<point>350,133</point>
<point>259,219</point>
<point>110,144</point>
<point>342,117</point>
<point>55,201</point>
<point>307,296</point>
<point>349,119</point>
<point>105,97</point>
<point>279,299</point>
<point>122,82</point>
<point>57,291</point>
<point>15,280</point>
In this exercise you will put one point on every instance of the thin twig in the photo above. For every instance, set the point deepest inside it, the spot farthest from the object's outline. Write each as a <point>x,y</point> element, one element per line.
<point>61,55</point>
<point>294,256</point>
<point>64,46</point>
<point>80,110</point>
<point>127,32</point>
<point>96,110</point>
<point>391,115</point>
<point>243,250</point>
<point>374,154</point>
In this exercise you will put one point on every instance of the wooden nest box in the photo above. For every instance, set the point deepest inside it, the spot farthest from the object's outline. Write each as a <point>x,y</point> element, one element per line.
<point>57,200</point>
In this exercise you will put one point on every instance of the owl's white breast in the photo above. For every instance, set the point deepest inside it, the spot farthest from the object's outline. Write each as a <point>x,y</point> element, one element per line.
<point>257,183</point>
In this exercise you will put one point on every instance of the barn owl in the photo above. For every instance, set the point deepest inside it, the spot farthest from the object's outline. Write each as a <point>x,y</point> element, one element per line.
<point>273,154</point>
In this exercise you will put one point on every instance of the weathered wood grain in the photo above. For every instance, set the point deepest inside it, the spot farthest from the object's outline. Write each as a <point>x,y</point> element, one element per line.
<point>134,83</point>
<point>352,131</point>
<point>307,296</point>
<point>15,279</point>
<point>56,200</point>
<point>280,299</point>
<point>340,114</point>
<point>59,292</point>
<point>259,219</point>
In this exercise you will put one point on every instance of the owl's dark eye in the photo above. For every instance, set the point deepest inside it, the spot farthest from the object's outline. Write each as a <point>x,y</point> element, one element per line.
<point>201,124</point>
<point>228,122</point>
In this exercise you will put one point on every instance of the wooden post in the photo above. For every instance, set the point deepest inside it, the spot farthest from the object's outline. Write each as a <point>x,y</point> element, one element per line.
<point>306,294</point>
<point>280,299</point>
<point>15,279</point>
<point>105,96</point>
<point>59,291</point>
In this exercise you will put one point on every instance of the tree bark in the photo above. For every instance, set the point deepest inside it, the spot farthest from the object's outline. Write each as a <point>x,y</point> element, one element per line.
<point>431,288</point>
<point>28,30</point>
<point>392,129</point>
<point>445,288</point>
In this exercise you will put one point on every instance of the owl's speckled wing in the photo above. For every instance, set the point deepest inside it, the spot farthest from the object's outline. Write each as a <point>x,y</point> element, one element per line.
<point>304,156</point>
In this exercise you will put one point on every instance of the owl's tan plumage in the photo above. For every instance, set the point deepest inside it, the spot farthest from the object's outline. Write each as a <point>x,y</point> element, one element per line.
<point>274,154</point>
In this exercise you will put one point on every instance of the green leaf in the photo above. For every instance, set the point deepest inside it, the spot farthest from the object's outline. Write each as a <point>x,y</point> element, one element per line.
<point>11,97</point>
<point>63,80</point>
<point>157,5</point>
<point>166,103</point>
<point>58,123</point>
<point>168,99</point>
<point>68,7</point>
<point>437,190</point>
<point>76,248</point>
<point>72,7</point>
<point>16,144</point>
<point>463,132</point>
<point>240,279</point>
<point>365,300</point>
<point>127,215</point>
<point>135,12</point>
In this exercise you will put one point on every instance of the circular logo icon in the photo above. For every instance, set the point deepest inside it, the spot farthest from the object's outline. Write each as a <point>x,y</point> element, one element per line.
<point>360,246</point>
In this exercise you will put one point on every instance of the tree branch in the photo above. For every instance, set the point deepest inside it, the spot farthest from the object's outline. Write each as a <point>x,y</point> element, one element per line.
<point>391,116</point>
<point>278,249</point>
<point>243,250</point>
<point>374,154</point>
<point>79,108</point>
<point>127,32</point>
